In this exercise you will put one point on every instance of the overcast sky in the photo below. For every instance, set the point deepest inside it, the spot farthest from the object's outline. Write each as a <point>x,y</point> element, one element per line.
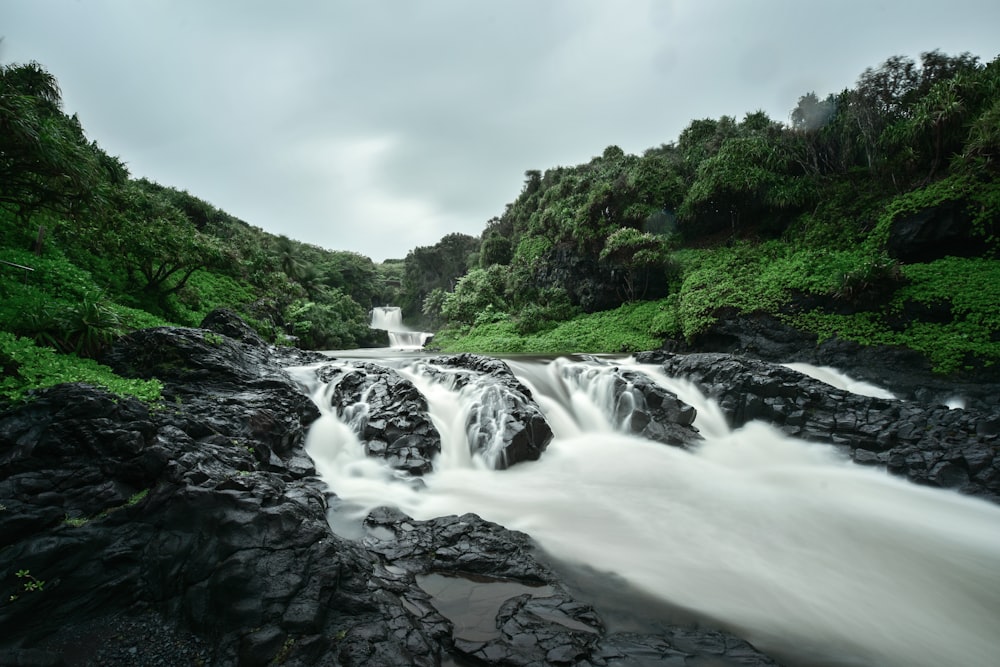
<point>376,126</point>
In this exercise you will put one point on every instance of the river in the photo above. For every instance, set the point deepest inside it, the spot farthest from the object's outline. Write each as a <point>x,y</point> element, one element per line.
<point>786,543</point>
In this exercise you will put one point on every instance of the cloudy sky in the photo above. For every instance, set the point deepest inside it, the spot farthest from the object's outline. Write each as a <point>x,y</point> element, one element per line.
<point>376,126</point>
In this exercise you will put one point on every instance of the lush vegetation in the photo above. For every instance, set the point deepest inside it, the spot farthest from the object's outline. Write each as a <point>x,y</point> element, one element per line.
<point>616,254</point>
<point>106,253</point>
<point>755,215</point>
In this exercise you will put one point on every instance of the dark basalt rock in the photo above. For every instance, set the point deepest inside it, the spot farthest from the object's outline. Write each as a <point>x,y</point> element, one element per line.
<point>506,426</point>
<point>547,628</point>
<point>644,408</point>
<point>588,284</point>
<point>908,373</point>
<point>195,532</point>
<point>934,232</point>
<point>387,412</point>
<point>229,324</point>
<point>929,444</point>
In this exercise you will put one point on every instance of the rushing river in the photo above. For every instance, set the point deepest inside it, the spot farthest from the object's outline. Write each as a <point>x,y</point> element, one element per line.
<point>812,558</point>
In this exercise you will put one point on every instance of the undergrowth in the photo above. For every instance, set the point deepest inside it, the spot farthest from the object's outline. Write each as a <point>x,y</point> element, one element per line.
<point>25,366</point>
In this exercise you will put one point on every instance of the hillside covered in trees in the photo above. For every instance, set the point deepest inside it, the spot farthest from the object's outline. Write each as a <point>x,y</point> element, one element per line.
<point>871,216</point>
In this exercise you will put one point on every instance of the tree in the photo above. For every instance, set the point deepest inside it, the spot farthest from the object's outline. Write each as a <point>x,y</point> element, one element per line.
<point>811,113</point>
<point>46,162</point>
<point>477,291</point>
<point>495,249</point>
<point>636,254</point>
<point>159,246</point>
<point>437,266</point>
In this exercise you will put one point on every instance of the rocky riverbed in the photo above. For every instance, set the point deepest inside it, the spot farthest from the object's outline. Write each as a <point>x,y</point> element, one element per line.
<point>195,531</point>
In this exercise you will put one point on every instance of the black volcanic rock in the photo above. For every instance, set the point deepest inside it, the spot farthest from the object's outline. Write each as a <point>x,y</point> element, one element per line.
<point>929,444</point>
<point>195,531</point>
<point>505,425</point>
<point>387,412</point>
<point>934,232</point>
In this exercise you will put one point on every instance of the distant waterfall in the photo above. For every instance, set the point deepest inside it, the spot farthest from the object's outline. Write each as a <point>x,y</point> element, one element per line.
<point>390,320</point>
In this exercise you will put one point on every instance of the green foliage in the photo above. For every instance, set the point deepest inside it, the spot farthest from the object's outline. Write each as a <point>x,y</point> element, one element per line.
<point>29,583</point>
<point>136,498</point>
<point>635,253</point>
<point>476,291</point>
<point>629,328</point>
<point>334,322</point>
<point>118,254</point>
<point>970,286</point>
<point>550,306</point>
<point>979,191</point>
<point>435,267</point>
<point>46,162</point>
<point>26,366</point>
<point>495,249</point>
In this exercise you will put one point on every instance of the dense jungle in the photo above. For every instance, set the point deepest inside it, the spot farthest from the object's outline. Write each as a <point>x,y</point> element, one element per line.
<point>870,216</point>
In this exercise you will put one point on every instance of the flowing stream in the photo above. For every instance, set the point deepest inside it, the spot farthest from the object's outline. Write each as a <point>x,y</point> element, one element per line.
<point>810,557</point>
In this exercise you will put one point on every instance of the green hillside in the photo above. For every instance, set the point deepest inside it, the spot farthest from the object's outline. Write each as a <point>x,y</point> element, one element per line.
<point>806,220</point>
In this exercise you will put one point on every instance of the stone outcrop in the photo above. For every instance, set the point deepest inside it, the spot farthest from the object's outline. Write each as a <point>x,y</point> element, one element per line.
<point>929,444</point>
<point>387,412</point>
<point>762,336</point>
<point>935,232</point>
<point>506,426</point>
<point>194,531</point>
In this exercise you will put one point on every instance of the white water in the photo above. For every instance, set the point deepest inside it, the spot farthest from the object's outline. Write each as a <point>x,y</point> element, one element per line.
<point>840,380</point>
<point>401,337</point>
<point>805,554</point>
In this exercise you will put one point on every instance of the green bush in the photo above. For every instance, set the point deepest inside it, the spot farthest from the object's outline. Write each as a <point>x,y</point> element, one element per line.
<point>629,328</point>
<point>25,366</point>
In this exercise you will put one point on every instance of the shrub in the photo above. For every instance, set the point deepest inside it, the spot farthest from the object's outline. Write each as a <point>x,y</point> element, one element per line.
<point>25,366</point>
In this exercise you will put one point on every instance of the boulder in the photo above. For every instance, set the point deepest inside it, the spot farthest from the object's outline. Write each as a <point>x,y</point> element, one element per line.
<point>929,444</point>
<point>934,232</point>
<point>387,412</point>
<point>505,426</point>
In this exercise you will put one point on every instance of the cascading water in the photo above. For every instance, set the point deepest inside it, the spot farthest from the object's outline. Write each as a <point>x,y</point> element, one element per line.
<point>390,320</point>
<point>807,555</point>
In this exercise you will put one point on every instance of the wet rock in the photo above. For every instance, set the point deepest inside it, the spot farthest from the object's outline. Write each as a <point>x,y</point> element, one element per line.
<point>653,412</point>
<point>544,628</point>
<point>387,412</point>
<point>229,324</point>
<point>194,532</point>
<point>505,426</point>
<point>929,444</point>
<point>764,337</point>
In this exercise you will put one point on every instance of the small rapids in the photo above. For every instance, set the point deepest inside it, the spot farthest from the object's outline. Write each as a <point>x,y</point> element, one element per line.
<point>812,558</point>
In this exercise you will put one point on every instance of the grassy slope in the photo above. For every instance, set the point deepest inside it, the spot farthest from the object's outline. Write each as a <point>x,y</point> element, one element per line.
<point>768,277</point>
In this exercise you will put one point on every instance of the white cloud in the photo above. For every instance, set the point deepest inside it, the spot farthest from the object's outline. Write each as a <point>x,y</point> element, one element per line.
<point>380,126</point>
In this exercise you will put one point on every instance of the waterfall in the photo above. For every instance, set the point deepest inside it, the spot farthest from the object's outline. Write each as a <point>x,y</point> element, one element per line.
<point>390,320</point>
<point>814,559</point>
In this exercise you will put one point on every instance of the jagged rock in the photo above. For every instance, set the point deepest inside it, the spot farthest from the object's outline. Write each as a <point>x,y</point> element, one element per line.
<point>191,357</point>
<point>506,426</point>
<point>387,412</point>
<point>929,444</point>
<point>226,322</point>
<point>934,232</point>
<point>195,531</point>
<point>652,412</point>
<point>545,627</point>
<point>763,336</point>
<point>589,285</point>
